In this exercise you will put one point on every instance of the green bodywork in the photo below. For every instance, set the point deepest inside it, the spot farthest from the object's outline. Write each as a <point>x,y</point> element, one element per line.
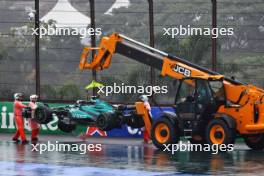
<point>89,111</point>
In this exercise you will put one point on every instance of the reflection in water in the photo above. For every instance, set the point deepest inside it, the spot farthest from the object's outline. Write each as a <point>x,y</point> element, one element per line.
<point>194,162</point>
<point>251,162</point>
<point>19,153</point>
<point>20,159</point>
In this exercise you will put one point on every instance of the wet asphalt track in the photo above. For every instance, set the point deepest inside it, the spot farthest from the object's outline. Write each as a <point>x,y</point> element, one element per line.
<point>124,157</point>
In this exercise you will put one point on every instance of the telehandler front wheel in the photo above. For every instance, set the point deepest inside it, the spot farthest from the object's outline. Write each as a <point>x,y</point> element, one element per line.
<point>218,132</point>
<point>164,132</point>
<point>255,142</point>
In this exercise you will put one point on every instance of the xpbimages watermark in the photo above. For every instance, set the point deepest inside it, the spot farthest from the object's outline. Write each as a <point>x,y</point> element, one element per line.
<point>128,89</point>
<point>183,147</point>
<point>188,30</point>
<point>59,31</point>
<point>64,147</point>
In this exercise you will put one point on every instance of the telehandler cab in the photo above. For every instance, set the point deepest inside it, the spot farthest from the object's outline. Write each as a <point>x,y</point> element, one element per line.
<point>209,107</point>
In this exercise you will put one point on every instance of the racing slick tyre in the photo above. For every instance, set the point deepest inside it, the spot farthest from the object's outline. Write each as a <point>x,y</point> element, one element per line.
<point>255,142</point>
<point>66,126</point>
<point>218,132</point>
<point>43,115</point>
<point>26,113</point>
<point>164,132</point>
<point>108,121</point>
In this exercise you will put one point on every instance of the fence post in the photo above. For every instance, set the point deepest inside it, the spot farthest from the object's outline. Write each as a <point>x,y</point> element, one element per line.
<point>37,64</point>
<point>151,38</point>
<point>93,39</point>
<point>214,44</point>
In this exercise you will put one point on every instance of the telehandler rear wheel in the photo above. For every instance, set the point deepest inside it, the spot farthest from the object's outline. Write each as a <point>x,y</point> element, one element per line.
<point>255,142</point>
<point>164,132</point>
<point>218,132</point>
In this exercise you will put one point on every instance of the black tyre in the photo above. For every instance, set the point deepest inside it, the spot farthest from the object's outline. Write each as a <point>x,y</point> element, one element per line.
<point>255,142</point>
<point>26,113</point>
<point>66,126</point>
<point>134,120</point>
<point>218,132</point>
<point>108,121</point>
<point>164,132</point>
<point>43,115</point>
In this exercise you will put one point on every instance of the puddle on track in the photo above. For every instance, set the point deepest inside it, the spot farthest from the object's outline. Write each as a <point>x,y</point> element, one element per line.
<point>117,159</point>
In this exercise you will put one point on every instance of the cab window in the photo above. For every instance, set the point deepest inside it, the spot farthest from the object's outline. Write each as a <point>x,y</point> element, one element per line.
<point>218,91</point>
<point>186,91</point>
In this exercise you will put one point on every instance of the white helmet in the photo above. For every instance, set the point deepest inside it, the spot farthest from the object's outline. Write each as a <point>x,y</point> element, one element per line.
<point>33,97</point>
<point>143,98</point>
<point>18,95</point>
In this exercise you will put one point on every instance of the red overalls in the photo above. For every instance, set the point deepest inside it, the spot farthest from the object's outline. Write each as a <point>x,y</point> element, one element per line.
<point>18,106</point>
<point>32,122</point>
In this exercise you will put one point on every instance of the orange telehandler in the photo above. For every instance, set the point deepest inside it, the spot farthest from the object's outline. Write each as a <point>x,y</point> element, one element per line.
<point>209,107</point>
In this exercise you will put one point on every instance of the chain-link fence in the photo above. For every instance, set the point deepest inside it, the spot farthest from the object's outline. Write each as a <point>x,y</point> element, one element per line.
<point>239,55</point>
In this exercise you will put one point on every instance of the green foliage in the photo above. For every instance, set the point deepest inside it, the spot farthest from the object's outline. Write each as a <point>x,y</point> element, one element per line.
<point>66,92</point>
<point>193,48</point>
<point>6,92</point>
<point>48,92</point>
<point>69,92</point>
<point>3,51</point>
<point>250,69</point>
<point>109,81</point>
<point>138,77</point>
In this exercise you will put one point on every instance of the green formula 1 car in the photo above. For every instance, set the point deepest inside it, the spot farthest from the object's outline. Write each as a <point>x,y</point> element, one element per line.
<point>94,112</point>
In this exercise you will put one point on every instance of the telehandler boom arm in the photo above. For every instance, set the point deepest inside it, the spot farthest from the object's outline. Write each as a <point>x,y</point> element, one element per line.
<point>168,64</point>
